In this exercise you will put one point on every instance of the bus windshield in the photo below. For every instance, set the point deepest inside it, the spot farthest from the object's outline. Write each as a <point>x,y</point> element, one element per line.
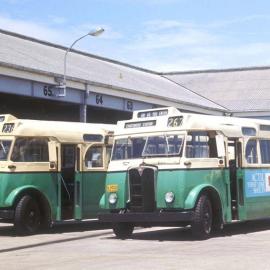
<point>151,146</point>
<point>4,149</point>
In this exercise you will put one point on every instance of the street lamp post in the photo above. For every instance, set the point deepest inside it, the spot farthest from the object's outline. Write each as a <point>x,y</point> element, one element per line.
<point>63,85</point>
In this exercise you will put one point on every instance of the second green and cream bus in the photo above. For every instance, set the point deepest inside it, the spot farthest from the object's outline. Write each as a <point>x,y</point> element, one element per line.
<point>173,168</point>
<point>51,171</point>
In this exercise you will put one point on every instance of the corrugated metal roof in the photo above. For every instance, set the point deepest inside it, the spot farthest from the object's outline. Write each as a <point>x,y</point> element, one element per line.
<point>29,53</point>
<point>243,89</point>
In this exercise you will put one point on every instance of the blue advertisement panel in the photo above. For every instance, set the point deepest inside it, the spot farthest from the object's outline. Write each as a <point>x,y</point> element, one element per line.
<point>257,183</point>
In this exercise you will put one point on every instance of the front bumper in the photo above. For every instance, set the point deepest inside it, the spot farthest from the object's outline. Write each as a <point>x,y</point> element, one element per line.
<point>147,217</point>
<point>6,214</point>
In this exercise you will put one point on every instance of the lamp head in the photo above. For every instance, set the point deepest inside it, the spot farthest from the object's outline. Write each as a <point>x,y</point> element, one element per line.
<point>96,32</point>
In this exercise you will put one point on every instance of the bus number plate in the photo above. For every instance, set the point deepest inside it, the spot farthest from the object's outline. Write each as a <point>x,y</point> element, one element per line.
<point>175,121</point>
<point>8,128</point>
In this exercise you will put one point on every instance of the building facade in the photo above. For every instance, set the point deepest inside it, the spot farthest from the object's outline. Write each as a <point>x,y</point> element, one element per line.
<point>104,90</point>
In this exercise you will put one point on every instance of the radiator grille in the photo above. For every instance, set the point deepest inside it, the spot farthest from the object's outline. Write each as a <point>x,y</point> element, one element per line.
<point>142,190</point>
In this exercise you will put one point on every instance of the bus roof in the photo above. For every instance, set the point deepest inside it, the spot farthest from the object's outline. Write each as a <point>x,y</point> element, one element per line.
<point>162,119</point>
<point>62,131</point>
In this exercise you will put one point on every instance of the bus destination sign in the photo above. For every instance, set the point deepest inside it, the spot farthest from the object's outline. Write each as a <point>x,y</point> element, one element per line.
<point>140,124</point>
<point>152,113</point>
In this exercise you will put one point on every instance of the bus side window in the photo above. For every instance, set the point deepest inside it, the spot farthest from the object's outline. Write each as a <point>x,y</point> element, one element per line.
<point>30,150</point>
<point>201,144</point>
<point>94,157</point>
<point>251,154</point>
<point>265,151</point>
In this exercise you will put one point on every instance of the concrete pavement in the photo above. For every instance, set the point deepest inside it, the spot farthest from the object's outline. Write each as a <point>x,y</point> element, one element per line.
<point>240,246</point>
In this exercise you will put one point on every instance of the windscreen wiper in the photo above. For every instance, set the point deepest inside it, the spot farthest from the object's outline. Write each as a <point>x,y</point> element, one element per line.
<point>3,147</point>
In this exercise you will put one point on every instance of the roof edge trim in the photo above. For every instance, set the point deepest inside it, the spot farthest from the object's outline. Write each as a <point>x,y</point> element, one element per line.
<point>214,70</point>
<point>61,47</point>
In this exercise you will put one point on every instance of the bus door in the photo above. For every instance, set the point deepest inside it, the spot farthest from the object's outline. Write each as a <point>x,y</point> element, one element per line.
<point>67,183</point>
<point>236,181</point>
<point>256,178</point>
<point>78,183</point>
<point>94,165</point>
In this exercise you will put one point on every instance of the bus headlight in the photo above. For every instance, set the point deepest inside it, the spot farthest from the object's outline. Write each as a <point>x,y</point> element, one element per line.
<point>169,197</point>
<point>113,198</point>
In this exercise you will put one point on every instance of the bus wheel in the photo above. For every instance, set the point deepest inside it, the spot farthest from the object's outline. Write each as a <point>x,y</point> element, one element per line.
<point>123,230</point>
<point>203,218</point>
<point>27,218</point>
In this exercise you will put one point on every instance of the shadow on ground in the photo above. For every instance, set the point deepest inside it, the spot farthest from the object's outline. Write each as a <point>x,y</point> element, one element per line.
<point>98,230</point>
<point>95,230</point>
<point>184,234</point>
<point>166,234</point>
<point>8,230</point>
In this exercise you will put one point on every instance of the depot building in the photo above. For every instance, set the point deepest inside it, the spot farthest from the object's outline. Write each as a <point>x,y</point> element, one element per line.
<point>104,90</point>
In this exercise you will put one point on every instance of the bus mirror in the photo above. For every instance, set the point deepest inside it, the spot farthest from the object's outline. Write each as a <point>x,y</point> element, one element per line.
<point>52,152</point>
<point>220,146</point>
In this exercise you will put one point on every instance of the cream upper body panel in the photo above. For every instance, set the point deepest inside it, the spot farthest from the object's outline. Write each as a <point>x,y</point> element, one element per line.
<point>157,120</point>
<point>170,122</point>
<point>63,131</point>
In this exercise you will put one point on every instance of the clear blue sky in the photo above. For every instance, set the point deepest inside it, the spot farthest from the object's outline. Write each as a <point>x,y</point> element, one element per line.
<point>162,35</point>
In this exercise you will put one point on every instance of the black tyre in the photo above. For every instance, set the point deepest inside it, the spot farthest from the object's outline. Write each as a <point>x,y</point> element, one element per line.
<point>123,230</point>
<point>203,218</point>
<point>27,218</point>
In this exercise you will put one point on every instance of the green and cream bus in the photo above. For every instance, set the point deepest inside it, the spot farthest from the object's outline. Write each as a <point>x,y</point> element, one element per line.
<point>179,169</point>
<point>51,171</point>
